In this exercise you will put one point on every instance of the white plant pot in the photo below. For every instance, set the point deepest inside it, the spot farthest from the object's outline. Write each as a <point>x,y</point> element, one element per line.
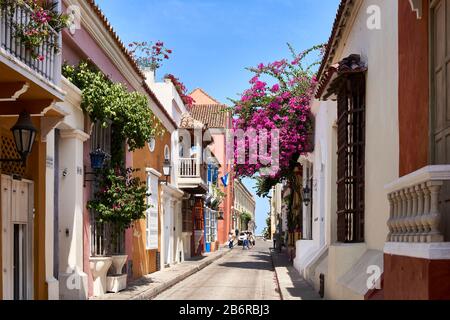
<point>117,263</point>
<point>116,284</point>
<point>99,267</point>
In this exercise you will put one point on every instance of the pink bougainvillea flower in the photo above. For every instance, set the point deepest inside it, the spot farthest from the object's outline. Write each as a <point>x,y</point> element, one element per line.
<point>284,106</point>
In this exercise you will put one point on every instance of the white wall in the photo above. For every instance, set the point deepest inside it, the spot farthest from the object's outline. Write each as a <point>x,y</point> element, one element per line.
<point>168,96</point>
<point>379,49</point>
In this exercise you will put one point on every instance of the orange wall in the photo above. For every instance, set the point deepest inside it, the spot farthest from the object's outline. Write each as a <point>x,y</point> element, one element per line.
<point>201,98</point>
<point>144,261</point>
<point>413,88</point>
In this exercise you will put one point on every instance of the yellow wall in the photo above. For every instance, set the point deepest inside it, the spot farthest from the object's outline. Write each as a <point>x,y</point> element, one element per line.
<point>144,261</point>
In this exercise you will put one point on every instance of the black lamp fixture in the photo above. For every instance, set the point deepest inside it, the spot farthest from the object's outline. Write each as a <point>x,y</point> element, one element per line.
<point>306,194</point>
<point>24,134</point>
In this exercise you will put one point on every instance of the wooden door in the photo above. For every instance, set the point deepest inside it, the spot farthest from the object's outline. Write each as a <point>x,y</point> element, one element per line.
<point>440,91</point>
<point>17,238</point>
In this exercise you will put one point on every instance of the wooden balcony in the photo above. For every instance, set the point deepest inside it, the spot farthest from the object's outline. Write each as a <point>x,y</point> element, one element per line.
<point>192,176</point>
<point>27,83</point>
<point>19,67</point>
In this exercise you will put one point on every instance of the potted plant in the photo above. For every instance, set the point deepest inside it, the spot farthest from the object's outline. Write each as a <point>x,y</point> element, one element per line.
<point>119,202</point>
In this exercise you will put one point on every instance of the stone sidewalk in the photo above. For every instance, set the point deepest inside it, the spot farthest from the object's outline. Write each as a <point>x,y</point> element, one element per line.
<point>291,284</point>
<point>152,285</point>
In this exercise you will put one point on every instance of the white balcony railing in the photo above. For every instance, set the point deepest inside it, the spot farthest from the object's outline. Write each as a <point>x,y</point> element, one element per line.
<point>189,168</point>
<point>414,200</point>
<point>13,17</point>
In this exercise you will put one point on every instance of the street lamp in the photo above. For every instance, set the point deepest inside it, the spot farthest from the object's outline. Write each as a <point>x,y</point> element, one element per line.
<point>306,194</point>
<point>24,134</point>
<point>167,168</point>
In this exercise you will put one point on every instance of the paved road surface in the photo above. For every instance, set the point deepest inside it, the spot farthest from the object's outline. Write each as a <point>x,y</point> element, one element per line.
<point>240,275</point>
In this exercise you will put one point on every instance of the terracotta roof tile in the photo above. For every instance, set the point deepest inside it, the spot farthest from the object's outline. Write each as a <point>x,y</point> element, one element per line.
<point>188,122</point>
<point>214,116</point>
<point>342,14</point>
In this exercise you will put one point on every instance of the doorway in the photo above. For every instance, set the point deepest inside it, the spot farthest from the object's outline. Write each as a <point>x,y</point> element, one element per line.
<point>17,238</point>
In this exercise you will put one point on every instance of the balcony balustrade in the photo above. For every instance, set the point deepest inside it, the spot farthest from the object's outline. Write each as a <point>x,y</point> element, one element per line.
<point>189,168</point>
<point>192,174</point>
<point>416,204</point>
<point>14,17</point>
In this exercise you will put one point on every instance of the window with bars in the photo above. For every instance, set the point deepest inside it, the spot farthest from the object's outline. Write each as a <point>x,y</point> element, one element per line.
<point>351,157</point>
<point>186,212</point>
<point>101,233</point>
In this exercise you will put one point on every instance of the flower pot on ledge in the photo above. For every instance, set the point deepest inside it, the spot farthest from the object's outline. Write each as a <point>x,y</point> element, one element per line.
<point>99,267</point>
<point>117,281</point>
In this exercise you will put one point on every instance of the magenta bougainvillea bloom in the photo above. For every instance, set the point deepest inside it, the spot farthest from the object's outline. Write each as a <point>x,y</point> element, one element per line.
<point>284,105</point>
<point>149,55</point>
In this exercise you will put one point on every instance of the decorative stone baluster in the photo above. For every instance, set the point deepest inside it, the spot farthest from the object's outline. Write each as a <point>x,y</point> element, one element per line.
<point>420,212</point>
<point>390,222</point>
<point>397,208</point>
<point>426,211</point>
<point>434,218</point>
<point>402,218</point>
<point>412,220</point>
<point>408,222</point>
<point>398,211</point>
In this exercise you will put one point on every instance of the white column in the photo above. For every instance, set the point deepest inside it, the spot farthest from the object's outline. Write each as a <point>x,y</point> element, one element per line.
<point>52,282</point>
<point>74,281</point>
<point>162,214</point>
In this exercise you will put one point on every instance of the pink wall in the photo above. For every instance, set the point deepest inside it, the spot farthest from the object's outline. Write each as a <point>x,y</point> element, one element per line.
<point>219,150</point>
<point>78,47</point>
<point>81,46</point>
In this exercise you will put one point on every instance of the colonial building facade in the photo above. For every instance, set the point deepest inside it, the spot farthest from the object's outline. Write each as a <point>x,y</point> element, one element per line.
<point>356,153</point>
<point>244,203</point>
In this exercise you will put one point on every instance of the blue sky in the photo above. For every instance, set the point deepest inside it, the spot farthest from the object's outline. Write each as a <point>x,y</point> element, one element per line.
<point>215,40</point>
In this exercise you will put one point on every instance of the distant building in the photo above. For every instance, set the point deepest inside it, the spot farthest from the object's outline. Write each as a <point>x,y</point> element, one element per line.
<point>244,202</point>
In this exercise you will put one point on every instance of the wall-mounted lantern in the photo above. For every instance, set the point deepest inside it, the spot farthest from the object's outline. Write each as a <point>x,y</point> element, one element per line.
<point>306,195</point>
<point>24,134</point>
<point>167,169</point>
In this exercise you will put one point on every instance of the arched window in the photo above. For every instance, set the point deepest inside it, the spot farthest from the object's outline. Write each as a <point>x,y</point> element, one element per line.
<point>152,144</point>
<point>166,153</point>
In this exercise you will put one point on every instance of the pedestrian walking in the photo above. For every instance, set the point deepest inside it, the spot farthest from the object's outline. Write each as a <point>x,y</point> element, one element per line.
<point>230,240</point>
<point>246,244</point>
<point>251,240</point>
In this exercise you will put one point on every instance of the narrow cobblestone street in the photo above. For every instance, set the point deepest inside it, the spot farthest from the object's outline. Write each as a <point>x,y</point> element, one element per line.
<point>240,275</point>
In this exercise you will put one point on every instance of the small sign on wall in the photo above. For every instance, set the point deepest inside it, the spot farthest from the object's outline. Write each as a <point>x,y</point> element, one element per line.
<point>49,162</point>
